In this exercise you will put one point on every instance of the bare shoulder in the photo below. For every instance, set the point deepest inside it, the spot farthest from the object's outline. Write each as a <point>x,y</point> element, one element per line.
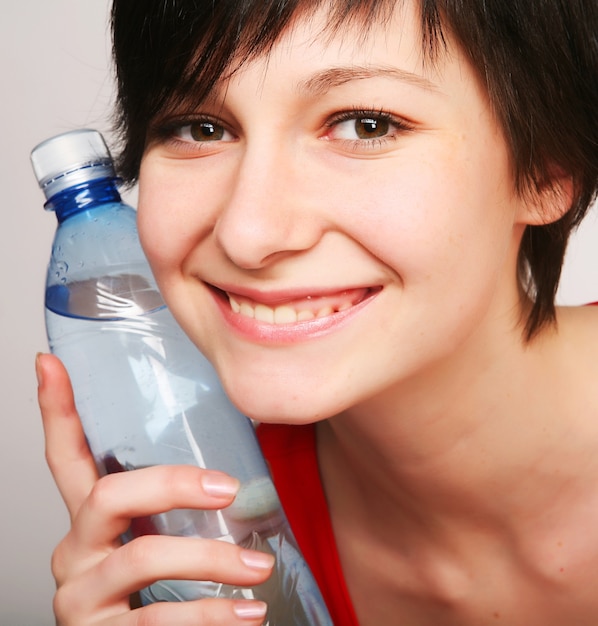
<point>578,350</point>
<point>579,325</point>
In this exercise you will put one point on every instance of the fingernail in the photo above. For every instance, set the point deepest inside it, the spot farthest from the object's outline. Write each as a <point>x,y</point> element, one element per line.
<point>38,369</point>
<point>250,609</point>
<point>219,485</point>
<point>257,560</point>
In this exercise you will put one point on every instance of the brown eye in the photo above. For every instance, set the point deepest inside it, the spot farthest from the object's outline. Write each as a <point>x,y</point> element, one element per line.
<point>366,129</point>
<point>371,128</point>
<point>200,131</point>
<point>206,131</point>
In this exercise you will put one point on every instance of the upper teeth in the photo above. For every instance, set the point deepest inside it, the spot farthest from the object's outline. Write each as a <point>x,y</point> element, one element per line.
<point>284,314</point>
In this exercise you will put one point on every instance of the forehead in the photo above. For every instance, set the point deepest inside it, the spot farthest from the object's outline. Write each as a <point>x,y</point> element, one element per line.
<point>347,26</point>
<point>255,29</point>
<point>320,53</point>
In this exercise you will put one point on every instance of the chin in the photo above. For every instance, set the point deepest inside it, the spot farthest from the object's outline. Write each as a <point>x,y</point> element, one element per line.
<point>271,407</point>
<point>295,415</point>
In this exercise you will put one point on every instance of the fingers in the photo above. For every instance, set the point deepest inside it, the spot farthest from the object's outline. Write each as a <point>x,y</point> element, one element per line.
<point>91,557</point>
<point>117,498</point>
<point>213,612</point>
<point>147,559</point>
<point>67,452</point>
<point>208,612</point>
<point>99,595</point>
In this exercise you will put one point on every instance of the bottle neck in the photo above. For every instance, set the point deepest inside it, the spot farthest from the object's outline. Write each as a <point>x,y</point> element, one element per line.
<point>83,197</point>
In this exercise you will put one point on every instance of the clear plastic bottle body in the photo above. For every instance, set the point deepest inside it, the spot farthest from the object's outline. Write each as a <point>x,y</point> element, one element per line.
<point>147,396</point>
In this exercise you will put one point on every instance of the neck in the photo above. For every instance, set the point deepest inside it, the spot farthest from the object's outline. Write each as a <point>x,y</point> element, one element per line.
<point>449,447</point>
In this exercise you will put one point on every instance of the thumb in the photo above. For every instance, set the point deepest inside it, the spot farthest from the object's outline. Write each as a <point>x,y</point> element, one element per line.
<point>67,453</point>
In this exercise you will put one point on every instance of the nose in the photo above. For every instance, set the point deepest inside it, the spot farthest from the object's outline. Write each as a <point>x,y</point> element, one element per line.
<point>268,213</point>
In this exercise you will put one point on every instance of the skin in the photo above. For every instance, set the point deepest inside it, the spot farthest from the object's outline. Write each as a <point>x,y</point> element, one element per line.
<point>458,462</point>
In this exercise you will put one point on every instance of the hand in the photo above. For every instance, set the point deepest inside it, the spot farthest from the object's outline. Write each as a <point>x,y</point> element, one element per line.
<point>94,572</point>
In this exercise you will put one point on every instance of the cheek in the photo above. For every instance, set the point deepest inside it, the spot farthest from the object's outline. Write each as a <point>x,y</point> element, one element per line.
<point>441,219</point>
<point>168,216</point>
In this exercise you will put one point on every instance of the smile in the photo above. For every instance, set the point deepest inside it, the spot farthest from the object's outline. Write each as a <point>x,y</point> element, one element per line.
<point>301,310</point>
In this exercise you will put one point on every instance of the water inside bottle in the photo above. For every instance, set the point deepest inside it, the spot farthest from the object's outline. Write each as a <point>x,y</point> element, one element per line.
<point>152,378</point>
<point>107,297</point>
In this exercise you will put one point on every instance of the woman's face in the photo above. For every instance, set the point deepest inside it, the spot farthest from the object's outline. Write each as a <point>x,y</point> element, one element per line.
<point>336,222</point>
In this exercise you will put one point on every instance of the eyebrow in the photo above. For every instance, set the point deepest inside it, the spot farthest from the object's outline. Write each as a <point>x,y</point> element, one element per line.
<point>322,82</point>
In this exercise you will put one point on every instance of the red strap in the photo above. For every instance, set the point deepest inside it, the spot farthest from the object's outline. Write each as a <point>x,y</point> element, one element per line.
<point>291,453</point>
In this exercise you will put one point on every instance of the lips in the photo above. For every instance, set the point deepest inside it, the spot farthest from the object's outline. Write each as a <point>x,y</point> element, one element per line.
<point>289,317</point>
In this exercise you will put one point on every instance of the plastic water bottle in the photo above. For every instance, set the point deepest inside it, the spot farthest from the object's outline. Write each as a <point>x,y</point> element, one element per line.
<point>145,394</point>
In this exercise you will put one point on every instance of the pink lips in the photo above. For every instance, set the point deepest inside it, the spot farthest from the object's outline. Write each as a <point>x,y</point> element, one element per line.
<point>290,318</point>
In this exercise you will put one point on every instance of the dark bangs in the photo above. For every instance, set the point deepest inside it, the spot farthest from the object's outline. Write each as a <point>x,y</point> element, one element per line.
<point>169,53</point>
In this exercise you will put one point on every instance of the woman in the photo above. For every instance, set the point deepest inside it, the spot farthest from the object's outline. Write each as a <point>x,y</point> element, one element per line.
<point>359,212</point>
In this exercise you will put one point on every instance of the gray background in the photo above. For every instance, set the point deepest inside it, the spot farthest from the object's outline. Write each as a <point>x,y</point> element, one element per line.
<point>54,58</point>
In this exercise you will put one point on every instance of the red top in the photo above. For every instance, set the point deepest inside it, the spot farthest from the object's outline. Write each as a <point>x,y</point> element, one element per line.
<point>291,454</point>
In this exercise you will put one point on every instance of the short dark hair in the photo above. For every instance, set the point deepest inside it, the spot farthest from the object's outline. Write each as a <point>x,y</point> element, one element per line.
<point>538,60</point>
